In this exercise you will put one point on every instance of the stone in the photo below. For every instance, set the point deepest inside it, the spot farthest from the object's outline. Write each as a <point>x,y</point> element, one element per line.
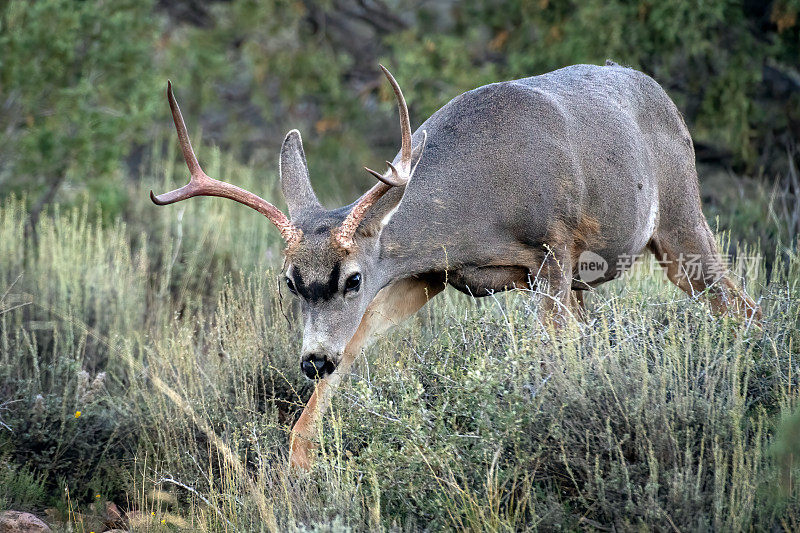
<point>19,522</point>
<point>114,518</point>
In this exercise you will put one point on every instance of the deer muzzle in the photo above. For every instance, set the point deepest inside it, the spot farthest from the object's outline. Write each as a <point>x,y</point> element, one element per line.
<point>317,366</point>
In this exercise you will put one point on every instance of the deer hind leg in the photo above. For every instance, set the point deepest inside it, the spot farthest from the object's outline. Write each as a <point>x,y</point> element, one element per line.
<point>693,263</point>
<point>557,306</point>
<point>391,306</point>
<point>578,305</point>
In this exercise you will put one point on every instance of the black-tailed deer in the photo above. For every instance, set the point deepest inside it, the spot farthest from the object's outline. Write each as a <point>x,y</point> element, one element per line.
<point>507,186</point>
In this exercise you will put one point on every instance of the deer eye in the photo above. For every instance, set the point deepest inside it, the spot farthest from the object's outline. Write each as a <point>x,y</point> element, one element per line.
<point>353,283</point>
<point>290,284</point>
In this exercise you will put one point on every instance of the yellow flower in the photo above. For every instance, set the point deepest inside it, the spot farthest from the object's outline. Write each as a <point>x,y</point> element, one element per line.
<point>163,521</point>
<point>77,414</point>
<point>96,495</point>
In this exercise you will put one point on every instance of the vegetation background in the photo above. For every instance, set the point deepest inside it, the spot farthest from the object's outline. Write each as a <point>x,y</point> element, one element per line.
<point>149,359</point>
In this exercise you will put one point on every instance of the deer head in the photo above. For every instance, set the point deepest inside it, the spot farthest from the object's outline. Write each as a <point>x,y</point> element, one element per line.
<point>331,255</point>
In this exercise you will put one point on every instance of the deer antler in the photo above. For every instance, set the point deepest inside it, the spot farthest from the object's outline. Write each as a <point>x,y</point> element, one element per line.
<point>201,184</point>
<point>395,176</point>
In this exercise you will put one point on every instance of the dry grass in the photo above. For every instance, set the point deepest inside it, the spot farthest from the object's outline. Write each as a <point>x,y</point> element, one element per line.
<point>654,415</point>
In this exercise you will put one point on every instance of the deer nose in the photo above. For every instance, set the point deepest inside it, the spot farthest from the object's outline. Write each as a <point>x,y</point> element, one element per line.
<point>316,366</point>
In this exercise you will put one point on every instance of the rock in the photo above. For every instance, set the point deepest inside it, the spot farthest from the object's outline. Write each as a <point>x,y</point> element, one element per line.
<point>18,522</point>
<point>113,516</point>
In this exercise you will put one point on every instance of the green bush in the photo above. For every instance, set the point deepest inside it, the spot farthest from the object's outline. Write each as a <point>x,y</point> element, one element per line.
<point>708,56</point>
<point>19,487</point>
<point>77,79</point>
<point>83,81</point>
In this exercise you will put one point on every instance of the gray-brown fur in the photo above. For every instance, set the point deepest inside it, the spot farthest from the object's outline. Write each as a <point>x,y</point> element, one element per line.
<point>513,173</point>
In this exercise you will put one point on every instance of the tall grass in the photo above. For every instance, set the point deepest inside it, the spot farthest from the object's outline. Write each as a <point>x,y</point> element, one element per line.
<point>156,365</point>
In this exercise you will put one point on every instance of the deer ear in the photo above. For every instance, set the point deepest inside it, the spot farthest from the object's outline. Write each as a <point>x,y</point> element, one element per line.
<point>294,176</point>
<point>416,152</point>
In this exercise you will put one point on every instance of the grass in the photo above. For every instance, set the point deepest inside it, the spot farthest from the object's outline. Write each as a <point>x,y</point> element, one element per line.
<point>168,334</point>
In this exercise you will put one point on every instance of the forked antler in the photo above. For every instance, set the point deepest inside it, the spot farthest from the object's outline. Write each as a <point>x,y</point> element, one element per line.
<point>201,184</point>
<point>395,176</point>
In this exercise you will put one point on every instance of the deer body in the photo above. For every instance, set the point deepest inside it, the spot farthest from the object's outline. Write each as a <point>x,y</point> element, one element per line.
<point>575,158</point>
<point>504,187</point>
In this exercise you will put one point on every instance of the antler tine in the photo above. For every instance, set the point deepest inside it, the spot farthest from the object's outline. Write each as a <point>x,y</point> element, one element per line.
<point>394,177</point>
<point>183,135</point>
<point>405,122</point>
<point>200,184</point>
<point>197,176</point>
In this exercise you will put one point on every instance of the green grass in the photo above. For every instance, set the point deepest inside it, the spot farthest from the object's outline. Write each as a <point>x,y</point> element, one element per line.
<point>168,334</point>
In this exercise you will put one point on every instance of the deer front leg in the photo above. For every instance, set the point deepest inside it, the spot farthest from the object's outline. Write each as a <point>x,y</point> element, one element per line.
<point>392,305</point>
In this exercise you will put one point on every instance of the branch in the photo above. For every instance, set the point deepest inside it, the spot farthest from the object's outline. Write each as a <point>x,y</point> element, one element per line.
<point>196,493</point>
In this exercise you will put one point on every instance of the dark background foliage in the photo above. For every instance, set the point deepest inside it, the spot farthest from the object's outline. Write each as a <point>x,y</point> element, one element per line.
<point>81,83</point>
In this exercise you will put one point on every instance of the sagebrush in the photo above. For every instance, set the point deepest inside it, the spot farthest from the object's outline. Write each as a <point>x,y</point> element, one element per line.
<point>156,365</point>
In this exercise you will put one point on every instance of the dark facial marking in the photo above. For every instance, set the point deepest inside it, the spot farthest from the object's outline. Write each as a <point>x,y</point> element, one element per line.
<point>333,281</point>
<point>299,286</point>
<point>317,290</point>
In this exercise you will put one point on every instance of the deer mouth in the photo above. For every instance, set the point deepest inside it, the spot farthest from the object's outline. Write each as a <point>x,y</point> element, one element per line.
<point>316,366</point>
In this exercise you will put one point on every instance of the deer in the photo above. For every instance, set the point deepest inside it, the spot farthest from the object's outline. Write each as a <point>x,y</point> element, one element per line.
<point>503,188</point>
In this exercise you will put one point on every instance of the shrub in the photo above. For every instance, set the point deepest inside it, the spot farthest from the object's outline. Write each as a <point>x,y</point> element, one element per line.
<point>79,89</point>
<point>472,417</point>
